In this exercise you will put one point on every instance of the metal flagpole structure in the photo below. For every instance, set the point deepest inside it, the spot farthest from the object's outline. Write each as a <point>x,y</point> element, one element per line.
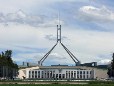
<point>77,62</point>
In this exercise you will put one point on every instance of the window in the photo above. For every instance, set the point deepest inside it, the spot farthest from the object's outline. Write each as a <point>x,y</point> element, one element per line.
<point>77,76</point>
<point>87,77</point>
<point>35,76</point>
<point>32,76</point>
<point>32,73</point>
<point>63,76</point>
<point>74,74</point>
<point>80,72</point>
<point>80,76</point>
<point>77,72</point>
<point>83,76</point>
<point>56,75</point>
<point>35,72</point>
<point>87,72</point>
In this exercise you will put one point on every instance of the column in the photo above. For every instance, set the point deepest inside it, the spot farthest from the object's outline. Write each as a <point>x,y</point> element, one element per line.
<point>85,74</point>
<point>79,74</point>
<point>37,73</point>
<point>40,74</point>
<point>89,74</point>
<point>82,74</point>
<point>76,74</point>
<point>34,73</point>
<point>43,74</point>
<point>70,75</point>
<point>46,73</point>
<point>49,73</point>
<point>65,74</point>
<point>30,74</point>
<point>73,74</point>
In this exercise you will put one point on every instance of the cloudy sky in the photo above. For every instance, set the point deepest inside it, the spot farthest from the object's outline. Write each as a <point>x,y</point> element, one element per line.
<point>28,28</point>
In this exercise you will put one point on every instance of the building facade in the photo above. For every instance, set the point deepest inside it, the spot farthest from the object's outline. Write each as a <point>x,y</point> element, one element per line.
<point>60,74</point>
<point>56,72</point>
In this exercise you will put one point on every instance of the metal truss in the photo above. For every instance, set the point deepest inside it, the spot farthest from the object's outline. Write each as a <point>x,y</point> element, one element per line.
<point>77,62</point>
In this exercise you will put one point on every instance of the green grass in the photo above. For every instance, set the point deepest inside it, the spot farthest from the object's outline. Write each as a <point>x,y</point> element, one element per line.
<point>90,83</point>
<point>56,85</point>
<point>101,82</point>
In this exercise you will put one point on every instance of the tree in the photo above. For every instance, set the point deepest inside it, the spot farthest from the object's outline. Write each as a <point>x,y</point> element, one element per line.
<point>112,63</point>
<point>111,69</point>
<point>7,66</point>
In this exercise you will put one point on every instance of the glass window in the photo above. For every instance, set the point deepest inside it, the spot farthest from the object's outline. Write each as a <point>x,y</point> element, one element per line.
<point>84,76</point>
<point>77,72</point>
<point>80,76</point>
<point>32,72</point>
<point>35,72</point>
<point>80,72</point>
<point>87,77</point>
<point>77,76</point>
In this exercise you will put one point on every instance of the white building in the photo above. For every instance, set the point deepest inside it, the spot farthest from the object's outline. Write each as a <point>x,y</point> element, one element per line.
<point>60,74</point>
<point>56,72</point>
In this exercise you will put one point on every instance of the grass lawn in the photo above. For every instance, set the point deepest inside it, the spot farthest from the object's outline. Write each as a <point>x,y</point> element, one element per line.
<point>56,85</point>
<point>90,83</point>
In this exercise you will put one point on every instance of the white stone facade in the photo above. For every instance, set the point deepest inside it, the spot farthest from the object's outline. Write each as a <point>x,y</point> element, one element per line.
<point>60,74</point>
<point>65,72</point>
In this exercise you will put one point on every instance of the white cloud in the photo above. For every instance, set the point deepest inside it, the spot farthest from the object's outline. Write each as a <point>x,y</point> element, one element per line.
<point>57,56</point>
<point>20,17</point>
<point>52,23</point>
<point>13,5</point>
<point>105,62</point>
<point>54,38</point>
<point>27,57</point>
<point>90,45</point>
<point>91,13</point>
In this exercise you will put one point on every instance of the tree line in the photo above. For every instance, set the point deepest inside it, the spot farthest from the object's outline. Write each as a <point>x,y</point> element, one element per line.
<point>8,69</point>
<point>111,68</point>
